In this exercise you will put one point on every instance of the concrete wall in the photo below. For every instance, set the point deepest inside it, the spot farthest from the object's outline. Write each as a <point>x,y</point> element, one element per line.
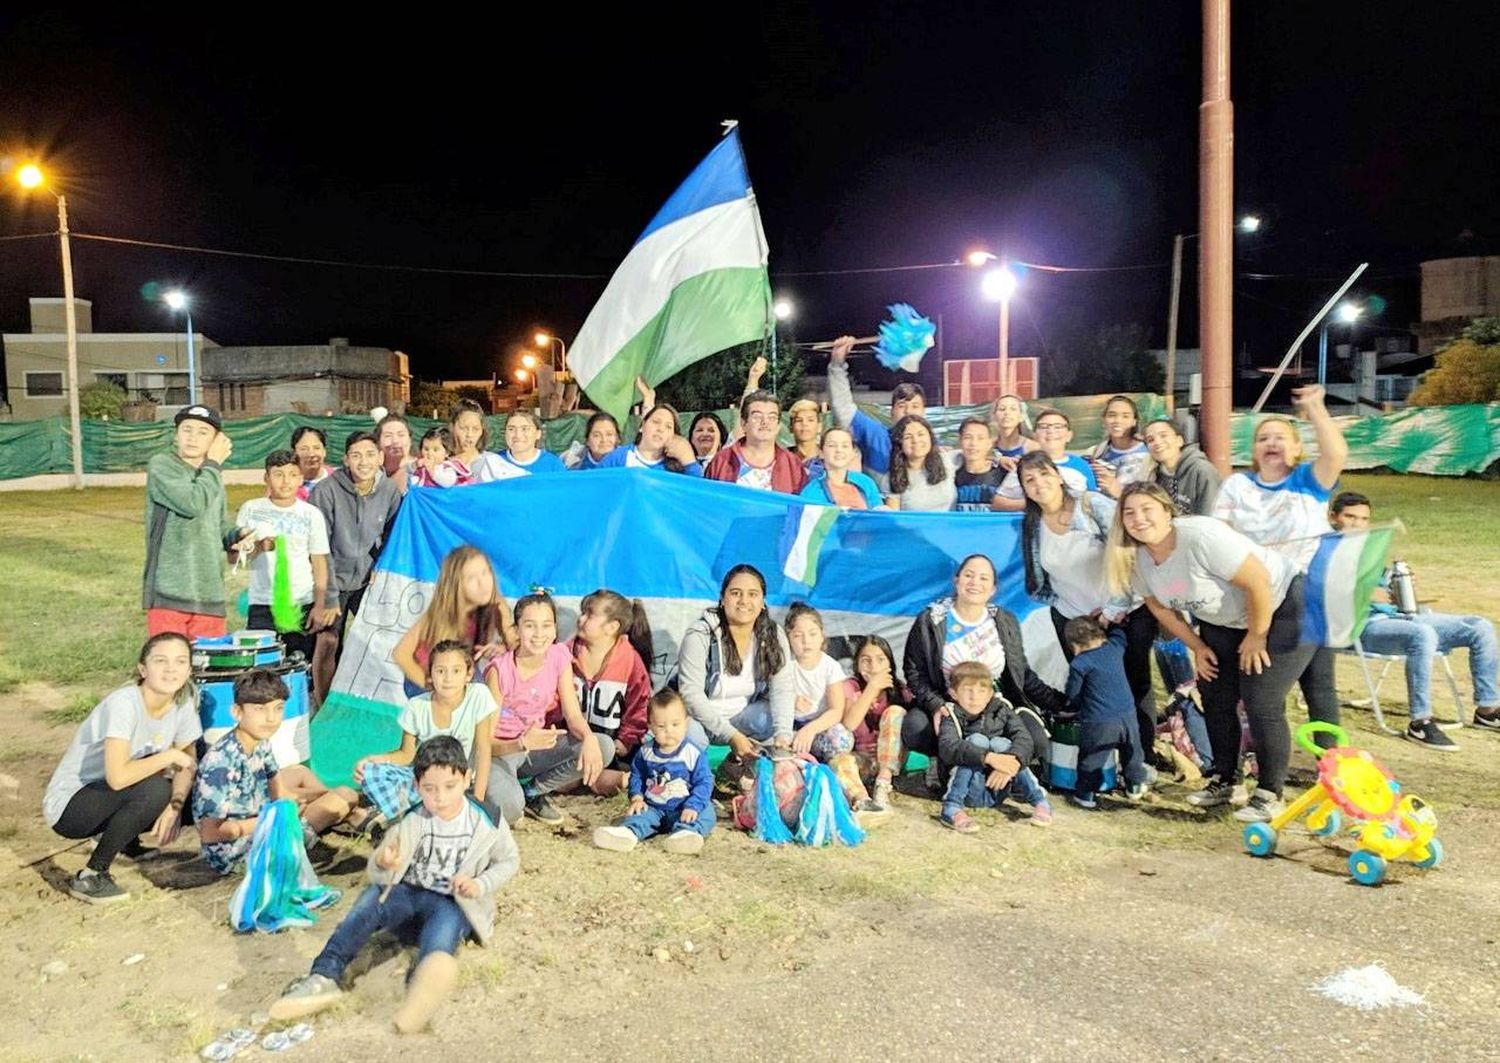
<point>1460,287</point>
<point>150,362</point>
<point>332,377</point>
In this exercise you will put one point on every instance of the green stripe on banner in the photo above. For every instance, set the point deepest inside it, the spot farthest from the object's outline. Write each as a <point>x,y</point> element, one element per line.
<point>347,728</point>
<point>1372,555</point>
<point>815,543</point>
<point>704,315</point>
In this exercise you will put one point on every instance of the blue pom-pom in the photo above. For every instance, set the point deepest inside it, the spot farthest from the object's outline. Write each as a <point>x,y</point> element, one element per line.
<point>905,338</point>
<point>769,827</point>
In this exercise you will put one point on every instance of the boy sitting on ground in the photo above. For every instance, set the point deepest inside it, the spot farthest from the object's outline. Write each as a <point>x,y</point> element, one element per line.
<point>433,883</point>
<point>984,746</point>
<point>1099,694</point>
<point>671,787</point>
<point>239,775</point>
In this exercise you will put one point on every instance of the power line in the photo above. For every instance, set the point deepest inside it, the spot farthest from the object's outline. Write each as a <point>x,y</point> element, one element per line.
<point>393,267</point>
<point>29,236</point>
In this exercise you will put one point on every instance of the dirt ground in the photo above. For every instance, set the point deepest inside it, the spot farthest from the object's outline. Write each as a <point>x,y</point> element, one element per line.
<point>1132,932</point>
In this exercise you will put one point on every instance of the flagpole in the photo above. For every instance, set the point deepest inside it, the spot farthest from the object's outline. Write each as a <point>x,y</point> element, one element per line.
<point>731,125</point>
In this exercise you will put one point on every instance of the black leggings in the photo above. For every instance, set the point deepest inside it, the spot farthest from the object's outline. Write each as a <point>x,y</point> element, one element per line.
<point>1140,634</point>
<point>116,816</point>
<point>1264,695</point>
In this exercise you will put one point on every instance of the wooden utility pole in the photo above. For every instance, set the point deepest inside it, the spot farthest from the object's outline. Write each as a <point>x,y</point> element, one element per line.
<point>1216,236</point>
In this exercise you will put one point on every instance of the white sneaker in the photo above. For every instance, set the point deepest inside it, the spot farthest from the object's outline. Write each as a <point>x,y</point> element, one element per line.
<point>683,842</point>
<point>615,839</point>
<point>1262,807</point>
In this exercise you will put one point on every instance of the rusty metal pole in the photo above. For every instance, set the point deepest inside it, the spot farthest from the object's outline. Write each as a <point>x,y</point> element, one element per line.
<point>1216,236</point>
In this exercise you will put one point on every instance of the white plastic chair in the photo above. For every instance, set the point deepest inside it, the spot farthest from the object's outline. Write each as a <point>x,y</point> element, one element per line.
<point>1373,684</point>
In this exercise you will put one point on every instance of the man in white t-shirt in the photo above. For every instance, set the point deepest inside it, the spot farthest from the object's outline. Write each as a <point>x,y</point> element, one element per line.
<point>1053,432</point>
<point>281,515</point>
<point>757,461</point>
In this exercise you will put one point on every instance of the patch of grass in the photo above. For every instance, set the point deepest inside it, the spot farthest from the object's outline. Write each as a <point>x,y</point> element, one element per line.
<point>70,563</point>
<point>73,712</point>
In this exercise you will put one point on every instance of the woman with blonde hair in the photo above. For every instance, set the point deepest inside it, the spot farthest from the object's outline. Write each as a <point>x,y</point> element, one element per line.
<point>1247,601</point>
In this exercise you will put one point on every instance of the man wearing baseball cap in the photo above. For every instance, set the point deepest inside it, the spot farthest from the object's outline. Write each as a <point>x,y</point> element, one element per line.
<point>188,529</point>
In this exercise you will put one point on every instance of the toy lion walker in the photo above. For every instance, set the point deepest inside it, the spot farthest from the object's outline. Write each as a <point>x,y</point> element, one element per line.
<point>1352,783</point>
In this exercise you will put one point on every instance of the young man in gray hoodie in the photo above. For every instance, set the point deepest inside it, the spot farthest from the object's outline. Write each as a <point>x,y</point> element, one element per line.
<point>358,503</point>
<point>1180,469</point>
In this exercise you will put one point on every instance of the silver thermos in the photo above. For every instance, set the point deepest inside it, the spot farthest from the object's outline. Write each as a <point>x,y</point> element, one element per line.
<point>1403,587</point>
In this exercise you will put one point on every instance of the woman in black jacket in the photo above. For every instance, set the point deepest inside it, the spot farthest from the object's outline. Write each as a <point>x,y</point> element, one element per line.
<point>969,627</point>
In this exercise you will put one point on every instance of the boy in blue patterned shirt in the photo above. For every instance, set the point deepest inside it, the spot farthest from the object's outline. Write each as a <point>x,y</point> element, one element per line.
<point>239,775</point>
<point>671,787</point>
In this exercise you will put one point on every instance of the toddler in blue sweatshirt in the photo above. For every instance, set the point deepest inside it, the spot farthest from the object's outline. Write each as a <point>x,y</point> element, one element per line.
<point>1100,695</point>
<point>671,787</point>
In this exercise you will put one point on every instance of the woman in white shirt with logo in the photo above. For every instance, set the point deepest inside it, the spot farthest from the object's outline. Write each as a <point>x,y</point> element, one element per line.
<point>1282,503</point>
<point>1247,601</point>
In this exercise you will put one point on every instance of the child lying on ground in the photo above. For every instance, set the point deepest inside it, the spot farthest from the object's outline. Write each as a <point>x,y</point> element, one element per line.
<point>432,882</point>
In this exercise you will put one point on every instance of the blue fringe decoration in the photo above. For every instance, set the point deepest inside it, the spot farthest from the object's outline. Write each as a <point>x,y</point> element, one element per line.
<point>280,888</point>
<point>826,816</point>
<point>905,338</point>
<point>768,825</point>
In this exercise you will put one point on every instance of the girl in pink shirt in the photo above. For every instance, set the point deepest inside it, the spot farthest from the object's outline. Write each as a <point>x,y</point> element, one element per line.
<point>528,682</point>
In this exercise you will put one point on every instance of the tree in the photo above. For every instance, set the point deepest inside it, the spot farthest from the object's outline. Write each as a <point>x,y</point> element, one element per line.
<point>427,397</point>
<point>717,382</point>
<point>1113,358</point>
<point>101,400</point>
<point>1467,370</point>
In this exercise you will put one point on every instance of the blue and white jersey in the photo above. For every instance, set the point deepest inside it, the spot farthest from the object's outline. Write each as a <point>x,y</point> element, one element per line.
<point>1287,515</point>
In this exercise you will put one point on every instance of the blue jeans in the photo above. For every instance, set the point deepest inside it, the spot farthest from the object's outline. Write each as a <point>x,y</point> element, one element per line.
<point>1418,637</point>
<point>753,721</point>
<point>966,786</point>
<point>652,820</point>
<point>431,921</point>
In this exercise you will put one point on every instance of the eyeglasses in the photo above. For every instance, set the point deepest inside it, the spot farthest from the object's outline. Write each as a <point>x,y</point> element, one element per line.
<point>1052,426</point>
<point>763,418</point>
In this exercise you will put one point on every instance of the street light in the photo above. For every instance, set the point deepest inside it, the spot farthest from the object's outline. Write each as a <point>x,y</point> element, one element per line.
<point>1249,223</point>
<point>979,258</point>
<point>529,361</point>
<point>546,339</point>
<point>1348,314</point>
<point>520,375</point>
<point>783,309</point>
<point>999,285</point>
<point>31,176</point>
<point>177,302</point>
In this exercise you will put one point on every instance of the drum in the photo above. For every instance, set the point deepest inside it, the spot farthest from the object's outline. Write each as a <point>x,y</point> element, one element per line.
<point>216,676</point>
<point>1062,761</point>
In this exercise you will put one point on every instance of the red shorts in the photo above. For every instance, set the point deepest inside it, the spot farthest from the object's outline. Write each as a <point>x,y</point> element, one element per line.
<point>193,625</point>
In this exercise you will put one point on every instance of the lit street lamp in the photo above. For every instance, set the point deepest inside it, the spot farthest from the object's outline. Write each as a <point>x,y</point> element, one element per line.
<point>999,285</point>
<point>554,344</point>
<point>1250,223</point>
<point>28,177</point>
<point>1348,314</point>
<point>529,361</point>
<point>177,300</point>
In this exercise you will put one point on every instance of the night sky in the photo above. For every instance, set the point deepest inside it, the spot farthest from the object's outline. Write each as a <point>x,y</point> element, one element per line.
<point>877,134</point>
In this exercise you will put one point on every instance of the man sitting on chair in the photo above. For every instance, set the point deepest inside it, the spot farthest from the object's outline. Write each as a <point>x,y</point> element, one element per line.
<point>1417,637</point>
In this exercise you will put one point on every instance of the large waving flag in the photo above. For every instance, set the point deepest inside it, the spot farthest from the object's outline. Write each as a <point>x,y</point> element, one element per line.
<point>1341,577</point>
<point>694,284</point>
<point>667,540</point>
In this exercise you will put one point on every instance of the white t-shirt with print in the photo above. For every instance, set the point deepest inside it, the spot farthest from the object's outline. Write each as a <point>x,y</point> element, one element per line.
<point>416,717</point>
<point>972,642</point>
<point>441,848</point>
<point>813,683</point>
<point>306,534</point>
<point>753,476</point>
<point>1286,515</point>
<point>1196,577</point>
